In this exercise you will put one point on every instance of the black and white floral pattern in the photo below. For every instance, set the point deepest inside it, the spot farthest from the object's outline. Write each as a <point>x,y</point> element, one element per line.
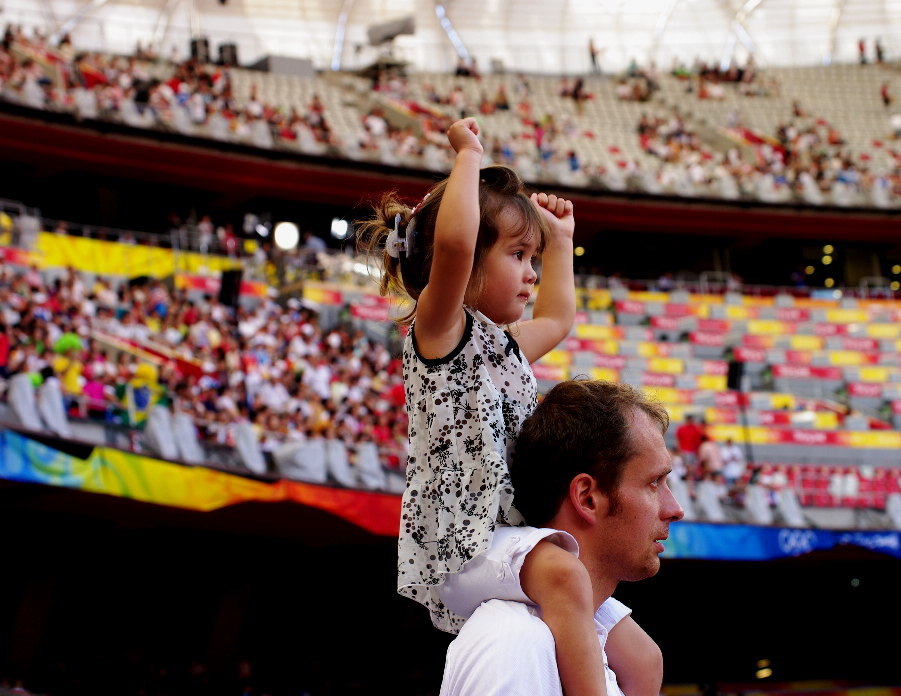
<point>465,410</point>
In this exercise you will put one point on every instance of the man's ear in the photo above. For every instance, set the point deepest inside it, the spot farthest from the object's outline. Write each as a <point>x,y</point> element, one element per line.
<point>584,497</point>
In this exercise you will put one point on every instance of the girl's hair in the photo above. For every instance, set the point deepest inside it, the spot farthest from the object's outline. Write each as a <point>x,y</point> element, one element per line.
<point>500,190</point>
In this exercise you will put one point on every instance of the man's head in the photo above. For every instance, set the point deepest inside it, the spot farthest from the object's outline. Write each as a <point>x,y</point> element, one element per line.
<point>592,456</point>
<point>581,426</point>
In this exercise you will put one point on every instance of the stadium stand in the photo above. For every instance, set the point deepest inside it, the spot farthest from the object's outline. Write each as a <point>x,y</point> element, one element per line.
<point>307,398</point>
<point>741,143</point>
<point>125,370</point>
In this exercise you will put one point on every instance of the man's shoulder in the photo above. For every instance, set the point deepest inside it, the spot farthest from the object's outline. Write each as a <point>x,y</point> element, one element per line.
<point>498,616</point>
<point>503,648</point>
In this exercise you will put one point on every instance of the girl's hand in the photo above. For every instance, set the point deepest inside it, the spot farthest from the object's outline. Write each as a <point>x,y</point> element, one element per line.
<point>464,135</point>
<point>559,214</point>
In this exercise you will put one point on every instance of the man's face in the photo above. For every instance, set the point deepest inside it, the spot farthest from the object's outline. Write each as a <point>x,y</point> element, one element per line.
<point>630,538</point>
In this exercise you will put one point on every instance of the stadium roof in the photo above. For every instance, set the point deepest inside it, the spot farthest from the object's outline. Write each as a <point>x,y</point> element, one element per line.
<point>520,35</point>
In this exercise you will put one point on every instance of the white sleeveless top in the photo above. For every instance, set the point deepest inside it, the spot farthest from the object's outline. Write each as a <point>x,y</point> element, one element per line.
<point>465,411</point>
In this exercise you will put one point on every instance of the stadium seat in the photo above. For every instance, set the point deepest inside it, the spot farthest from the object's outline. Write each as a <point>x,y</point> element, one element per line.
<point>757,503</point>
<point>159,437</point>
<point>708,496</point>
<point>303,461</point>
<point>790,508</point>
<point>186,437</point>
<point>893,508</point>
<point>249,448</point>
<point>51,406</point>
<point>372,476</point>
<point>338,464</point>
<point>23,403</point>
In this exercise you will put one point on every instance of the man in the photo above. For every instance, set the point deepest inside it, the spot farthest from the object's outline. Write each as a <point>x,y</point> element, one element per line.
<point>591,462</point>
<point>688,438</point>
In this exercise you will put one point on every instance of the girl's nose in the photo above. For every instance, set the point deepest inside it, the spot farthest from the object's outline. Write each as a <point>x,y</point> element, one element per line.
<point>531,275</point>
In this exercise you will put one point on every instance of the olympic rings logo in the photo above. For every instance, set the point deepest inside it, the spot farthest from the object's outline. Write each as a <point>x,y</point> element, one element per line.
<point>794,542</point>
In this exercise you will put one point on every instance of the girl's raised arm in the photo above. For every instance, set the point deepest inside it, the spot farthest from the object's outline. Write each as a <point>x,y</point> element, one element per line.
<point>440,320</point>
<point>555,306</point>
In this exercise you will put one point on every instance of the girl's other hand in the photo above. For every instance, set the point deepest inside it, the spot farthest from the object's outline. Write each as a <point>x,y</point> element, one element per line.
<point>559,213</point>
<point>464,135</point>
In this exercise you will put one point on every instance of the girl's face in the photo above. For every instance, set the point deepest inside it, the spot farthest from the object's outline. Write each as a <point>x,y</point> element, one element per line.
<point>508,271</point>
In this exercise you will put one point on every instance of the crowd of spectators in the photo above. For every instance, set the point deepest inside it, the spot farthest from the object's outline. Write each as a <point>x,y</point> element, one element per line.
<point>804,162</point>
<point>273,366</point>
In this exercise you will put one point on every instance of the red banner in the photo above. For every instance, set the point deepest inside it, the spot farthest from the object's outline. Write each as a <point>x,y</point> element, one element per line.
<point>753,355</point>
<point>793,314</point>
<point>629,307</point>
<point>656,379</point>
<point>667,323</point>
<point>703,338</point>
<point>806,372</point>
<point>830,329</point>
<point>716,367</point>
<point>865,389</point>
<point>714,325</point>
<point>863,344</point>
<point>798,357</point>
<point>611,362</point>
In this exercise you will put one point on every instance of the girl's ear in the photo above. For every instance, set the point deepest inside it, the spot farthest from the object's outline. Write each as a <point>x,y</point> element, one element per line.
<point>584,497</point>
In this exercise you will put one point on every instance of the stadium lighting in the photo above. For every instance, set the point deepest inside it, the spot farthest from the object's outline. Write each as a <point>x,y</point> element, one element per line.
<point>829,282</point>
<point>286,235</point>
<point>828,249</point>
<point>896,269</point>
<point>827,260</point>
<point>895,285</point>
<point>810,270</point>
<point>579,251</point>
<point>339,228</point>
<point>764,673</point>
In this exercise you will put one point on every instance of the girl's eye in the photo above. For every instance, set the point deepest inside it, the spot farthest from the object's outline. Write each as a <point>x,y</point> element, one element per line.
<point>517,254</point>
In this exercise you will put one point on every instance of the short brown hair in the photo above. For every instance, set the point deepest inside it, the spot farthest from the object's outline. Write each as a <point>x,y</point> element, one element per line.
<point>581,426</point>
<point>500,189</point>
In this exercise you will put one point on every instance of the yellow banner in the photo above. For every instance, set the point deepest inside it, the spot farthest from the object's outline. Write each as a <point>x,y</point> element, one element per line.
<point>670,366</point>
<point>595,331</point>
<point>825,420</point>
<point>557,357</point>
<point>875,439</point>
<point>883,330</point>
<point>738,312</point>
<point>598,299</point>
<point>714,382</point>
<point>601,373</point>
<point>840,358</point>
<point>765,326</point>
<point>129,260</point>
<point>874,374</point>
<point>805,342</point>
<point>847,316</point>
<point>667,395</point>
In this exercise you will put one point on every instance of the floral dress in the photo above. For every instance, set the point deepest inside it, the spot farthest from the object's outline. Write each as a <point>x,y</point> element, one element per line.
<point>465,411</point>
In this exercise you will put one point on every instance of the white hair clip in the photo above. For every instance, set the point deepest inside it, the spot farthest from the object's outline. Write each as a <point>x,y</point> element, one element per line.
<point>395,244</point>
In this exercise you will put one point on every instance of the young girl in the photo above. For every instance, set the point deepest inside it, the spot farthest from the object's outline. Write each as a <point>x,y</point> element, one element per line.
<point>465,257</point>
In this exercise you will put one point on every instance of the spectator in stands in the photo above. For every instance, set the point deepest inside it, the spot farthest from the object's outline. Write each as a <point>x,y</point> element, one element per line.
<point>886,95</point>
<point>733,461</point>
<point>616,506</point>
<point>688,439</point>
<point>710,461</point>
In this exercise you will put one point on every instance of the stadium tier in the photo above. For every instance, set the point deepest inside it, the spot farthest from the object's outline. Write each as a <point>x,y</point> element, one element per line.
<point>782,135</point>
<point>159,374</point>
